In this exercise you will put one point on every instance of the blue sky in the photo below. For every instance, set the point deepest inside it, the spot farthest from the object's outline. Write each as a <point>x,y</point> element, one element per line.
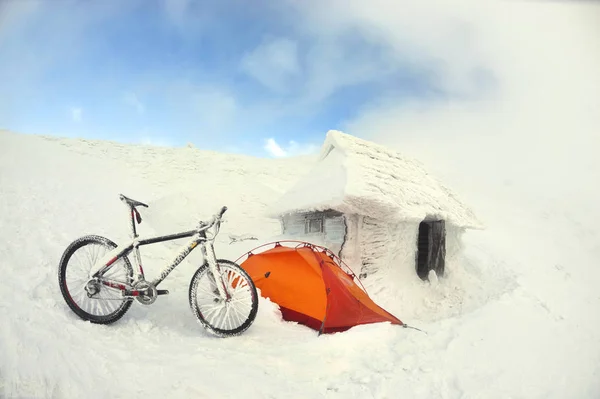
<point>228,75</point>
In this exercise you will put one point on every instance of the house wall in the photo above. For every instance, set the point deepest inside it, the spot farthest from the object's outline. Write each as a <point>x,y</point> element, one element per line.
<point>334,233</point>
<point>332,236</point>
<point>389,252</point>
<point>382,253</point>
<point>454,246</point>
<point>293,225</point>
<point>374,244</point>
<point>350,253</point>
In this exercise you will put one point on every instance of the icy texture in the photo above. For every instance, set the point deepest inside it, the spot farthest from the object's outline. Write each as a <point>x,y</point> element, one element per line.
<point>356,176</point>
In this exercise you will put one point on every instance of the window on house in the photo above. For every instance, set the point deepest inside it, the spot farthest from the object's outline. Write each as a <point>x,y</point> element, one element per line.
<point>314,225</point>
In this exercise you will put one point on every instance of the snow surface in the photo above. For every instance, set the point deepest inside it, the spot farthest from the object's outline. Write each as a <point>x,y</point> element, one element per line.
<point>322,188</point>
<point>357,176</point>
<point>520,319</point>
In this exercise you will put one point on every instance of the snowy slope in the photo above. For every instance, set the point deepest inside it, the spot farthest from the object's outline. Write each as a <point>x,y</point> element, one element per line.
<point>523,320</point>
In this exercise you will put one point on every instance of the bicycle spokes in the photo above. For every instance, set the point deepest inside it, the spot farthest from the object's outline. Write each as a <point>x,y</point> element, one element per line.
<point>90,294</point>
<point>226,313</point>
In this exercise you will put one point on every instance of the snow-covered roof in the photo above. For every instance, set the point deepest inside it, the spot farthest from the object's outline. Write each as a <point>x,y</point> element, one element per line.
<point>353,175</point>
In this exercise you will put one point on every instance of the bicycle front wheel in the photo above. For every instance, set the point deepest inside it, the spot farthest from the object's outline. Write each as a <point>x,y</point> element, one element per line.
<point>220,316</point>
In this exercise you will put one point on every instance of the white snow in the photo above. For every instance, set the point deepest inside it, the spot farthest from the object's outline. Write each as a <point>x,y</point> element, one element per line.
<point>356,176</point>
<point>321,188</point>
<point>519,320</point>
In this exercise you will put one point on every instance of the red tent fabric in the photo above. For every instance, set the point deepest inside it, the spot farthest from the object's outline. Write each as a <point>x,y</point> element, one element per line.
<point>309,285</point>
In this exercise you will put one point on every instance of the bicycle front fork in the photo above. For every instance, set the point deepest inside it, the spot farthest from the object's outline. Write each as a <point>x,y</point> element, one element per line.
<point>213,265</point>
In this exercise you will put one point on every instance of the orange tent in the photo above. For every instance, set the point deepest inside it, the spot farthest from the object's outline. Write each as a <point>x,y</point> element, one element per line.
<point>311,288</point>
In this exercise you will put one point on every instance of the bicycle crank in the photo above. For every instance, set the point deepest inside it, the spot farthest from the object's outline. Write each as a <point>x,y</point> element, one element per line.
<point>147,292</point>
<point>144,292</point>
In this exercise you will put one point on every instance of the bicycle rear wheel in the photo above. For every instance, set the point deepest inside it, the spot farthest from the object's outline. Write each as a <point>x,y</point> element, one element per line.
<point>92,301</point>
<point>221,317</point>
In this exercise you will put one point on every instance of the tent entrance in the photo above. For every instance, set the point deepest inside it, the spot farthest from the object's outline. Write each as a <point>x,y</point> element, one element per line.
<point>431,248</point>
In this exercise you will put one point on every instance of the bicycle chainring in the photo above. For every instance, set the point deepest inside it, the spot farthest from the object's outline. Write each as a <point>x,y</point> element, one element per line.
<point>151,292</point>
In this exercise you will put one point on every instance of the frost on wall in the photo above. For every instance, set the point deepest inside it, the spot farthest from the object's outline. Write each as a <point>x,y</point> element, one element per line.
<point>334,231</point>
<point>389,251</point>
<point>351,248</point>
<point>293,225</point>
<point>380,252</point>
<point>322,228</point>
<point>374,245</point>
<point>454,247</point>
<point>394,261</point>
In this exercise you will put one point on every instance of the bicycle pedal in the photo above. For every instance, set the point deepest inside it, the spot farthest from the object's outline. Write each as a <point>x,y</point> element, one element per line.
<point>162,292</point>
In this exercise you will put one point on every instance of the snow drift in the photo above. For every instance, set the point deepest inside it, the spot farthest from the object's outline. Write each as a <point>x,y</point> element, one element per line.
<point>518,319</point>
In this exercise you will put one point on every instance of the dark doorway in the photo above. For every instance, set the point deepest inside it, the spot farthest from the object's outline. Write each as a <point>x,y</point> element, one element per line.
<point>431,248</point>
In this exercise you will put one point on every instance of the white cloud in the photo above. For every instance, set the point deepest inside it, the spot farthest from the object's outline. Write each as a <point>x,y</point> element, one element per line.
<point>292,149</point>
<point>132,100</point>
<point>274,149</point>
<point>535,129</point>
<point>76,114</point>
<point>362,41</point>
<point>273,63</point>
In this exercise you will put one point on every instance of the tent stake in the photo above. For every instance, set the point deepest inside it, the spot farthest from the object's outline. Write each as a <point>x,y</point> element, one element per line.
<point>414,328</point>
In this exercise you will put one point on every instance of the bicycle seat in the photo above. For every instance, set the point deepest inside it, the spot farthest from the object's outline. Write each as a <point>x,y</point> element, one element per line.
<point>131,202</point>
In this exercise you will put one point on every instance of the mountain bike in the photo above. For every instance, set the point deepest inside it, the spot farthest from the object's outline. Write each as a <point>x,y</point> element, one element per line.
<point>107,286</point>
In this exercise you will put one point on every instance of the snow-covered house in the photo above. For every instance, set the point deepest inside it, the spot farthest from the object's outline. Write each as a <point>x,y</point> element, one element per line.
<point>375,208</point>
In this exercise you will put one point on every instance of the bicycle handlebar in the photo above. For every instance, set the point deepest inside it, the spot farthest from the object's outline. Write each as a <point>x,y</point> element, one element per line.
<point>215,219</point>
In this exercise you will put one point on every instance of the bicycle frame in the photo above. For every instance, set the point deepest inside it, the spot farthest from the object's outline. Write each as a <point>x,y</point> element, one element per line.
<point>198,238</point>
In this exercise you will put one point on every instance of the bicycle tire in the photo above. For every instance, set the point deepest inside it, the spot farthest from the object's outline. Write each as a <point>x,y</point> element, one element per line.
<point>62,271</point>
<point>217,331</point>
